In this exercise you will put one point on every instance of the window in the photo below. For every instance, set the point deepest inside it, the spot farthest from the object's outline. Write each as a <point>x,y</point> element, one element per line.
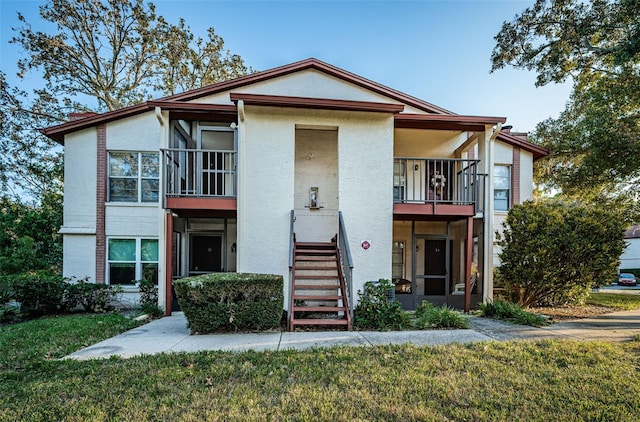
<point>501,187</point>
<point>399,181</point>
<point>133,176</point>
<point>132,259</point>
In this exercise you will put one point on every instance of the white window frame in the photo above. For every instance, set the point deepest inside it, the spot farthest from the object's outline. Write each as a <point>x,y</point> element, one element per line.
<point>508,190</point>
<point>139,178</point>
<point>138,259</point>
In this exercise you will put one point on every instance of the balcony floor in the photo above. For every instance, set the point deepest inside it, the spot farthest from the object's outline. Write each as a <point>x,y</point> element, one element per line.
<point>422,211</point>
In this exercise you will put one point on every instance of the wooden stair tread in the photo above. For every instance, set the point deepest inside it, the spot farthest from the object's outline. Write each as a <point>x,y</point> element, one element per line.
<point>319,308</point>
<point>316,277</point>
<point>316,258</point>
<point>316,286</point>
<point>315,251</point>
<point>315,244</point>
<point>310,268</point>
<point>319,297</point>
<point>320,321</point>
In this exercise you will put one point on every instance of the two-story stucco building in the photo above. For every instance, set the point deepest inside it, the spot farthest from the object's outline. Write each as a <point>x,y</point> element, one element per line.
<point>305,170</point>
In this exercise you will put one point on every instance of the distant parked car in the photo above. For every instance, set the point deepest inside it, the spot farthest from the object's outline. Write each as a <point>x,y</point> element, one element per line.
<point>627,279</point>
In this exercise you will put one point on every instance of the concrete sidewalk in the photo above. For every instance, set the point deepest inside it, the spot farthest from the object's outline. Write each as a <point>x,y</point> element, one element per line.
<point>170,334</point>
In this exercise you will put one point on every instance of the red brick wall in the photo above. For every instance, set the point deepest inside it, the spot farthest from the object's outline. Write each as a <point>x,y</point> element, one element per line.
<point>101,199</point>
<point>515,177</point>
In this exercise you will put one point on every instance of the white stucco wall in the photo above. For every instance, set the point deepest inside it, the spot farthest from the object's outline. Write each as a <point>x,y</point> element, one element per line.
<point>80,180</point>
<point>267,183</point>
<point>502,153</point>
<point>132,220</point>
<point>526,175</point>
<point>79,256</point>
<point>79,222</point>
<point>141,132</point>
<point>309,83</point>
<point>365,146</point>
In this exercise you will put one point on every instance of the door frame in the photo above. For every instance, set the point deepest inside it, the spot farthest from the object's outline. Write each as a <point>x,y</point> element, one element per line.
<point>436,300</point>
<point>223,250</point>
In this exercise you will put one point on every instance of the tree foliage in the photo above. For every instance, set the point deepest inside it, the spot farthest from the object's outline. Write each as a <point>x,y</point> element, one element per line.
<point>554,252</point>
<point>119,52</point>
<point>95,55</point>
<point>597,45</point>
<point>29,239</point>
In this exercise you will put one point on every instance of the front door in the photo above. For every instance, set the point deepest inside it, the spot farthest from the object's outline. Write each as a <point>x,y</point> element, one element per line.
<point>431,277</point>
<point>205,253</point>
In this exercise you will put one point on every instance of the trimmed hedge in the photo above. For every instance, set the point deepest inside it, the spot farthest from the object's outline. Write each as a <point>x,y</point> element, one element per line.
<point>231,301</point>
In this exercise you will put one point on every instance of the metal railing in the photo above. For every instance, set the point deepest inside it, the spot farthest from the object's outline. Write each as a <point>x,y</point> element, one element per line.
<point>438,180</point>
<point>199,172</point>
<point>345,259</point>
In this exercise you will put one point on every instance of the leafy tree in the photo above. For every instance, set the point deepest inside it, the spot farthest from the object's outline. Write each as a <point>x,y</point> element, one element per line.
<point>554,252</point>
<point>119,51</point>
<point>597,45</point>
<point>100,56</point>
<point>30,163</point>
<point>29,239</point>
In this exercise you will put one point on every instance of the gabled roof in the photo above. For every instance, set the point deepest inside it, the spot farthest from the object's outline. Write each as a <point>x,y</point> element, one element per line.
<point>445,122</point>
<point>436,117</point>
<point>536,150</point>
<point>314,64</point>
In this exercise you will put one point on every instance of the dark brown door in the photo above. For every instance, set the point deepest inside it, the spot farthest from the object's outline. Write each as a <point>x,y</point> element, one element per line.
<point>435,263</point>
<point>206,254</point>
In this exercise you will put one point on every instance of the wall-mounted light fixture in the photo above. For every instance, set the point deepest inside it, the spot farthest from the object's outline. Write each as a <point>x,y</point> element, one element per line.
<point>313,198</point>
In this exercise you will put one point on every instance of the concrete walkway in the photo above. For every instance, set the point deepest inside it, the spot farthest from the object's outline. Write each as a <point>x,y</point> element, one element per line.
<point>170,334</point>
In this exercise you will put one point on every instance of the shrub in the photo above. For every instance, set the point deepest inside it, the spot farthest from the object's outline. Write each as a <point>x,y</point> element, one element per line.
<point>500,309</point>
<point>429,316</point>
<point>148,292</point>
<point>376,311</point>
<point>554,252</point>
<point>92,297</point>
<point>231,301</point>
<point>39,293</point>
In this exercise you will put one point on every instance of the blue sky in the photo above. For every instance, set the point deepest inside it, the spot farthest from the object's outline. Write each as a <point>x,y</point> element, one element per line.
<point>438,51</point>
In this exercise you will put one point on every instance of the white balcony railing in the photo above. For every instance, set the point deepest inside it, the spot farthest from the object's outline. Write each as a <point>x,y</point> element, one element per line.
<point>438,180</point>
<point>199,173</point>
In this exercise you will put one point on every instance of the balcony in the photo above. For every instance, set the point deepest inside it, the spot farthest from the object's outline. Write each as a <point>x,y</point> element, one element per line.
<point>199,179</point>
<point>437,186</point>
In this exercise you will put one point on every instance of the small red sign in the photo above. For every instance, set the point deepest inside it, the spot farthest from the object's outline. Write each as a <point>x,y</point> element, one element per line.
<point>366,245</point>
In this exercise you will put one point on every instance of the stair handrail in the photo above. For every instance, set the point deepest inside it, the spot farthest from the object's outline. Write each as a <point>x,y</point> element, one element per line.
<point>345,258</point>
<point>292,238</point>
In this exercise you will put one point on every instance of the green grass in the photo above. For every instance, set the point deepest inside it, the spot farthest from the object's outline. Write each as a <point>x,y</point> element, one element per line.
<point>32,342</point>
<point>501,309</point>
<point>620,301</point>
<point>560,380</point>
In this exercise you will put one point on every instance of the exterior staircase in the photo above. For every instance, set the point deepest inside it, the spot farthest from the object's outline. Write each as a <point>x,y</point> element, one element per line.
<point>318,291</point>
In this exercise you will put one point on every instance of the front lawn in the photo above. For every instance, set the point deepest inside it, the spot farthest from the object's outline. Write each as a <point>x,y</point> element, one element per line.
<point>558,380</point>
<point>616,301</point>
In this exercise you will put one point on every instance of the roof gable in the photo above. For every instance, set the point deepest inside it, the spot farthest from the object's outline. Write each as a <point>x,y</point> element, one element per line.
<point>314,64</point>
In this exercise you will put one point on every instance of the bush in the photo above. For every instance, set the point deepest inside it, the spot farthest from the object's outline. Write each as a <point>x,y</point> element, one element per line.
<point>148,292</point>
<point>429,316</point>
<point>92,297</point>
<point>376,311</point>
<point>39,293</point>
<point>554,252</point>
<point>500,309</point>
<point>231,301</point>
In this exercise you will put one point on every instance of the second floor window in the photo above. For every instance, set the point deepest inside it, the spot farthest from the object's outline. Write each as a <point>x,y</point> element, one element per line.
<point>501,188</point>
<point>133,176</point>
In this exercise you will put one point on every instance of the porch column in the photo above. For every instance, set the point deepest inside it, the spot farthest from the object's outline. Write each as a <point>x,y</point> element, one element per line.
<point>168,237</point>
<point>467,265</point>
